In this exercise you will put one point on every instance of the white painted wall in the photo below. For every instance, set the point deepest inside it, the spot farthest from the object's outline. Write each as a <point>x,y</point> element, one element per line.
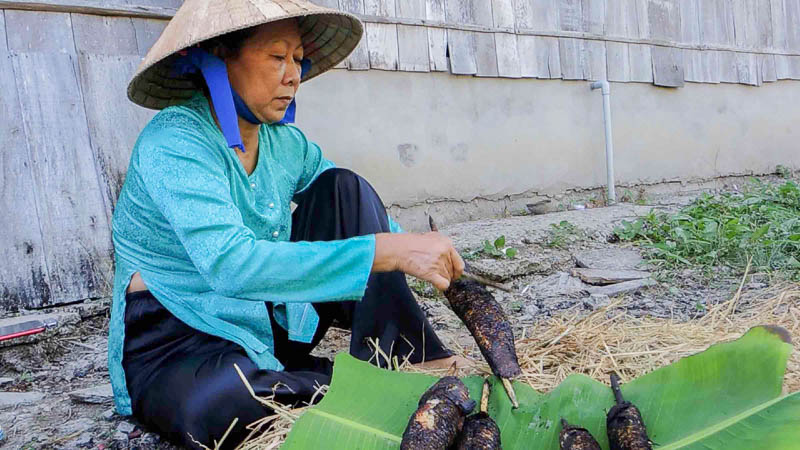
<point>438,136</point>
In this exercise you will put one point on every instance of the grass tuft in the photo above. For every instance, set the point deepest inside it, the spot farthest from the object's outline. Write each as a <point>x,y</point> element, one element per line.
<point>761,223</point>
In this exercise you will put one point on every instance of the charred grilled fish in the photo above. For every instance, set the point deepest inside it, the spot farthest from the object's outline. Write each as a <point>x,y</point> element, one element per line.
<point>576,438</point>
<point>480,432</point>
<point>624,424</point>
<point>439,417</point>
<point>487,322</point>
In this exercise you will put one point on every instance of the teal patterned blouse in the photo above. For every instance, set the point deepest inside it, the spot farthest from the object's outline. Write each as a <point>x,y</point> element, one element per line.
<point>211,242</point>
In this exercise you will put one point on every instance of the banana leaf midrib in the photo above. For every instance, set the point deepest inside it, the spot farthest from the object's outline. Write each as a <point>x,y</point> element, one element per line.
<point>356,425</point>
<point>719,426</point>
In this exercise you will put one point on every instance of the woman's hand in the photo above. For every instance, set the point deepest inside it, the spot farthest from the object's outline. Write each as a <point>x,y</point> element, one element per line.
<point>428,256</point>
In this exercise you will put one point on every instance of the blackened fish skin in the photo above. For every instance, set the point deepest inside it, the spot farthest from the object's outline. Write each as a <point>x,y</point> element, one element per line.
<point>624,424</point>
<point>487,323</point>
<point>576,438</point>
<point>626,430</point>
<point>480,432</point>
<point>453,389</point>
<point>440,416</point>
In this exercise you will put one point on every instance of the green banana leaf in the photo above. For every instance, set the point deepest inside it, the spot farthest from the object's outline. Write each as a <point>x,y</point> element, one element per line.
<point>727,397</point>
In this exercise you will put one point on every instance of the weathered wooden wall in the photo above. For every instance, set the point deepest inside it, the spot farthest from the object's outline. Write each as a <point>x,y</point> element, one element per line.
<point>67,128</point>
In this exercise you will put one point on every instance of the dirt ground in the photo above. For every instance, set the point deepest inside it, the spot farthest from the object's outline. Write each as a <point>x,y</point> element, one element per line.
<point>73,356</point>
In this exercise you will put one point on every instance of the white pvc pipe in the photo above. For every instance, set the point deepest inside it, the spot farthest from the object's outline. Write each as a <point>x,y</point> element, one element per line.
<point>606,90</point>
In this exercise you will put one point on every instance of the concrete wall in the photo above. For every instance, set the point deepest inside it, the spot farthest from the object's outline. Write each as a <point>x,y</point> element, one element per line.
<point>423,137</point>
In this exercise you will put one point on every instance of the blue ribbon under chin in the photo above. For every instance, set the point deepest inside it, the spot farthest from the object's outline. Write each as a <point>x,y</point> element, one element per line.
<point>227,102</point>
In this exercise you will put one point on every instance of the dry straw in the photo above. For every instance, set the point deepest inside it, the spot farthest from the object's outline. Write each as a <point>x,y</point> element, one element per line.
<point>610,339</point>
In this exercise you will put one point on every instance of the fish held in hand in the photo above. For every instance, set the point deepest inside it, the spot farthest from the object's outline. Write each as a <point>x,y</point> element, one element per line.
<point>439,417</point>
<point>576,438</point>
<point>487,323</point>
<point>624,424</point>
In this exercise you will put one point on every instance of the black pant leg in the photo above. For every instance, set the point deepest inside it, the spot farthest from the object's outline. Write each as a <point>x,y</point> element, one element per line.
<point>182,382</point>
<point>339,205</point>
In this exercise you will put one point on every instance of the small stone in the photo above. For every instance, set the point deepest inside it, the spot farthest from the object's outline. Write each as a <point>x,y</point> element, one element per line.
<point>609,258</point>
<point>11,399</point>
<point>83,370</point>
<point>76,426</point>
<point>599,300</point>
<point>126,427</point>
<point>620,288</point>
<point>85,440</point>
<point>99,395</point>
<point>120,437</point>
<point>109,414</point>
<point>150,439</point>
<point>557,285</point>
<point>5,381</point>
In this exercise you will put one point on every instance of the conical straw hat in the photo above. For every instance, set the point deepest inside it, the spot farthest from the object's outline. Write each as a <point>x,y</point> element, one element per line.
<point>328,37</point>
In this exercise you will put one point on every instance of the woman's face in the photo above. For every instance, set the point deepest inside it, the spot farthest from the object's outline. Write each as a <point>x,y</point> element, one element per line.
<point>266,72</point>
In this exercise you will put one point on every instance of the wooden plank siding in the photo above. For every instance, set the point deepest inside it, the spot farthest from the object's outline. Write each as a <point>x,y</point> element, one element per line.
<point>108,54</point>
<point>381,37</point>
<point>461,43</point>
<point>359,58</point>
<point>508,60</point>
<point>25,282</point>
<point>33,31</point>
<point>437,37</point>
<point>664,23</point>
<point>539,56</point>
<point>70,205</point>
<point>485,47</point>
<point>412,40</point>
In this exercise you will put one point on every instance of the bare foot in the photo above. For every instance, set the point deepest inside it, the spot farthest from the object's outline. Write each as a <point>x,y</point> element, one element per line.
<point>446,363</point>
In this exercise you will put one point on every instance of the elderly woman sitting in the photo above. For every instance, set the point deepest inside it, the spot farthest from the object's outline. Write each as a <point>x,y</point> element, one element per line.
<point>212,267</point>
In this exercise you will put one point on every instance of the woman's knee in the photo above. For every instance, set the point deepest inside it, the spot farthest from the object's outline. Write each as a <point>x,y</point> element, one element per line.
<point>344,180</point>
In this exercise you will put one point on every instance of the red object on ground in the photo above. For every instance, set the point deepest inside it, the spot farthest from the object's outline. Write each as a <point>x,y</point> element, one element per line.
<point>22,333</point>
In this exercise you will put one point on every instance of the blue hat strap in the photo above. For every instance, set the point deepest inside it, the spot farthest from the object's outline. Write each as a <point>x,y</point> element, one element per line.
<point>216,76</point>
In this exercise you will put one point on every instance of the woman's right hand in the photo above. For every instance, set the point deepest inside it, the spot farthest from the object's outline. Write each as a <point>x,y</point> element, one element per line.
<point>428,256</point>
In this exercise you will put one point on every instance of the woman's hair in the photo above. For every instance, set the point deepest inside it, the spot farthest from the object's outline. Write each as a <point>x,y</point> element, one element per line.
<point>225,46</point>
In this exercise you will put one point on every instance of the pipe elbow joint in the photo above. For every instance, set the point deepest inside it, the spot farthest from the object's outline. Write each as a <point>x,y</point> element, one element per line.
<point>603,85</point>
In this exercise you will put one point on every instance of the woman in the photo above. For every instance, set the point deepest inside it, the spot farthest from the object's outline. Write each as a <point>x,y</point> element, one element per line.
<point>212,268</point>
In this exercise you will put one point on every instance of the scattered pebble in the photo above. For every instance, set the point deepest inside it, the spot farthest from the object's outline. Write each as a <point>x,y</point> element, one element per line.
<point>12,399</point>
<point>109,414</point>
<point>85,440</point>
<point>99,395</point>
<point>120,437</point>
<point>126,427</point>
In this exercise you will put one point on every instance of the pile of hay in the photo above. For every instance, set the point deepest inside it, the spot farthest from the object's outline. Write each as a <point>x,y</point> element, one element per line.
<point>610,339</point>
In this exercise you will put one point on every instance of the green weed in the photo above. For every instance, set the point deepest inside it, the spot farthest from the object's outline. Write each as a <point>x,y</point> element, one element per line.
<point>494,249</point>
<point>783,171</point>
<point>562,234</point>
<point>762,223</point>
